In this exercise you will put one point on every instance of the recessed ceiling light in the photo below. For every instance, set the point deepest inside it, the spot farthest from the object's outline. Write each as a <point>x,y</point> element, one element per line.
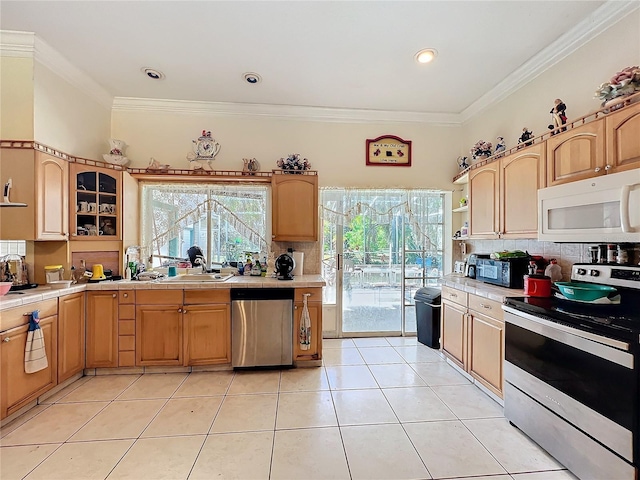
<point>426,55</point>
<point>252,78</point>
<point>153,74</point>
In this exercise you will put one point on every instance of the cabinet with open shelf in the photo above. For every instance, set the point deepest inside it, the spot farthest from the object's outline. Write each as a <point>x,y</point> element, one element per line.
<point>463,208</point>
<point>95,203</point>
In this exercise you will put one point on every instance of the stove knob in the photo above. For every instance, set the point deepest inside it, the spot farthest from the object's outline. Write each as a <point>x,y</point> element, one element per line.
<point>594,273</point>
<point>581,271</point>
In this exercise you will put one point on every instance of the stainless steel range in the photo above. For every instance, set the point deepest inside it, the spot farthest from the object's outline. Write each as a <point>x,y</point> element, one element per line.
<point>572,374</point>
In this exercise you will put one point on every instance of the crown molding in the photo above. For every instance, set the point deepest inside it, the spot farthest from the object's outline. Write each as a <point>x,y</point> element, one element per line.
<point>600,20</point>
<point>321,114</point>
<point>17,44</point>
<point>29,45</point>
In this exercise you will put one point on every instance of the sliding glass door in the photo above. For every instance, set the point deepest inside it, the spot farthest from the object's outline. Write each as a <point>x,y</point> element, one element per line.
<point>379,246</point>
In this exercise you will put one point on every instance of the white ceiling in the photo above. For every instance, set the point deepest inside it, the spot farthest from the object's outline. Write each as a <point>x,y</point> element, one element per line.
<point>342,54</point>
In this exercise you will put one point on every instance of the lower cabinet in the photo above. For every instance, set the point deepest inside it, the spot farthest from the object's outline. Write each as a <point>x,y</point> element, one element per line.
<point>314,305</point>
<point>17,387</point>
<point>102,329</point>
<point>207,334</point>
<point>473,336</point>
<point>71,335</point>
<point>158,335</point>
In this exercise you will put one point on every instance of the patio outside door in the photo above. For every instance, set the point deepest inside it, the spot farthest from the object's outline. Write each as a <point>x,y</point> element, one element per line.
<point>373,264</point>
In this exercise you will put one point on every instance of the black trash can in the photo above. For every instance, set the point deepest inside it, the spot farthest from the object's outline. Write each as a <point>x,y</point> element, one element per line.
<point>427,301</point>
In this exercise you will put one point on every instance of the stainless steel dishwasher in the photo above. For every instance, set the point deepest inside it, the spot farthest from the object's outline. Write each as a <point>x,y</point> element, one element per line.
<point>261,327</point>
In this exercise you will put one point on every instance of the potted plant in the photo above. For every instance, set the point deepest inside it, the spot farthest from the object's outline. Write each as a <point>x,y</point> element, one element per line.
<point>294,164</point>
<point>481,149</point>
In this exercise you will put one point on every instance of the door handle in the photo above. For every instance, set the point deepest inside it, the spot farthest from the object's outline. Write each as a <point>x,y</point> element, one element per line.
<point>624,209</point>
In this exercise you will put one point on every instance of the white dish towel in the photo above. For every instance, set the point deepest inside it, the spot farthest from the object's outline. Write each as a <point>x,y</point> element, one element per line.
<point>305,325</point>
<point>35,355</point>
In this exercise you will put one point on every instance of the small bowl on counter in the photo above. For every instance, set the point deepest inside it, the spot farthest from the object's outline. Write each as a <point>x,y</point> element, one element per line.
<point>5,287</point>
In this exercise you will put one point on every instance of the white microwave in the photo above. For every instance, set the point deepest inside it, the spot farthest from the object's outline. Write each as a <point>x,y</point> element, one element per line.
<point>602,209</point>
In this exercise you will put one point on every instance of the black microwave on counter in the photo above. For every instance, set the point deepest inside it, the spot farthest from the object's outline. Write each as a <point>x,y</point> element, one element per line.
<point>508,272</point>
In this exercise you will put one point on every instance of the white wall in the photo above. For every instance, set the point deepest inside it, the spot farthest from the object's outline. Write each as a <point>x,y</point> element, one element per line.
<point>16,98</point>
<point>574,80</point>
<point>336,150</point>
<point>68,119</point>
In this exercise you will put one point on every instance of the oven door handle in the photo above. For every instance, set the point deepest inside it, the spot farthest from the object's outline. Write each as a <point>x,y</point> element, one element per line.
<point>603,347</point>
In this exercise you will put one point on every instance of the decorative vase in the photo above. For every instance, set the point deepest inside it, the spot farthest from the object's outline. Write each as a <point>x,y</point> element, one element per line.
<point>616,103</point>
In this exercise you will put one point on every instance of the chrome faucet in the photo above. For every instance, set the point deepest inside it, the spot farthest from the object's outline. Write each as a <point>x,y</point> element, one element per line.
<point>202,262</point>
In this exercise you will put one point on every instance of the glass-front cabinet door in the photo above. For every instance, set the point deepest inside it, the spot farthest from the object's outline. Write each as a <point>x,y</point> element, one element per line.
<point>95,211</point>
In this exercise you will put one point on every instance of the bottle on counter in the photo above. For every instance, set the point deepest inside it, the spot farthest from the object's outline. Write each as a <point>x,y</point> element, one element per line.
<point>622,257</point>
<point>464,231</point>
<point>553,271</point>
<point>611,253</point>
<point>240,268</point>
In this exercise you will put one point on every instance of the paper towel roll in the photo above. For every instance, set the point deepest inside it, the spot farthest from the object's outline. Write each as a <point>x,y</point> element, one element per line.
<point>298,257</point>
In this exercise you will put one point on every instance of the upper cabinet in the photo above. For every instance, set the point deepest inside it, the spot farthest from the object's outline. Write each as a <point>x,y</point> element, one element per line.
<point>295,207</point>
<point>576,154</point>
<point>42,182</point>
<point>503,195</point>
<point>95,203</point>
<point>521,175</point>
<point>623,139</point>
<point>483,201</point>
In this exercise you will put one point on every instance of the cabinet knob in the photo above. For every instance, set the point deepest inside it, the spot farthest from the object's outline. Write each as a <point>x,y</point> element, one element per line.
<point>125,295</point>
<point>295,307</point>
<point>597,169</point>
<point>453,295</point>
<point>179,310</point>
<point>114,295</point>
<point>185,311</point>
<point>8,339</point>
<point>488,307</point>
<point>607,167</point>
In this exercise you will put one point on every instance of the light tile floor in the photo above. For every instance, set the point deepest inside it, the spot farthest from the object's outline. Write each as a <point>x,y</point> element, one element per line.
<point>379,408</point>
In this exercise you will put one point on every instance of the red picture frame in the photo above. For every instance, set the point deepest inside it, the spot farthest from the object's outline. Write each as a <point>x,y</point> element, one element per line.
<point>388,150</point>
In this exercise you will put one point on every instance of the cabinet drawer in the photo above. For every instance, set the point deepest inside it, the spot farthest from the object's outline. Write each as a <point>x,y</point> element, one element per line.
<point>198,297</point>
<point>488,307</point>
<point>127,312</point>
<point>456,296</point>
<point>159,297</point>
<point>126,343</point>
<point>14,317</point>
<point>127,359</point>
<point>316,294</point>
<point>127,327</point>
<point>127,296</point>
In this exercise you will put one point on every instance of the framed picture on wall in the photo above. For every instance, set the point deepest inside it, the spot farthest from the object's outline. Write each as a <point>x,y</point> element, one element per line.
<point>389,150</point>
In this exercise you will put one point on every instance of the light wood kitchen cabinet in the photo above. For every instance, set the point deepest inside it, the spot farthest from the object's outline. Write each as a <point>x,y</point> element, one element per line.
<point>522,174</point>
<point>473,337</point>
<point>453,333</point>
<point>314,305</point>
<point>503,195</point>
<point>623,139</point>
<point>295,207</point>
<point>71,335</point>
<point>95,203</point>
<point>576,154</point>
<point>159,327</point>
<point>126,328</point>
<point>17,387</point>
<point>484,206</point>
<point>40,181</point>
<point>102,329</point>
<point>207,327</point>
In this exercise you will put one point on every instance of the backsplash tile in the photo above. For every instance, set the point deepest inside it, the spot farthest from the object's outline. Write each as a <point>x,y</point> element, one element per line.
<point>18,247</point>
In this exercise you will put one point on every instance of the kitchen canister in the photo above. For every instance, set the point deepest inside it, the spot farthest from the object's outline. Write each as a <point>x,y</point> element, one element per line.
<point>298,258</point>
<point>537,286</point>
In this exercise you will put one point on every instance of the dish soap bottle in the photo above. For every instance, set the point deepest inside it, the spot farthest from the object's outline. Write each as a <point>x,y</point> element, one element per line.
<point>553,271</point>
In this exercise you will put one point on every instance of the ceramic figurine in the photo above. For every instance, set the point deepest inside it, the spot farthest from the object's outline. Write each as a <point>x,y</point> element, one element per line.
<point>154,165</point>
<point>526,138</point>
<point>462,163</point>
<point>500,146</point>
<point>559,116</point>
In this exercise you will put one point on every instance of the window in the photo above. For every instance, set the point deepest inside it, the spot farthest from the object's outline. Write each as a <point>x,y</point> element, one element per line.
<point>224,220</point>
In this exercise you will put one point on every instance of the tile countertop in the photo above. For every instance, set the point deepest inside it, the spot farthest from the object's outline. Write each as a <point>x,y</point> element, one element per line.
<point>476,287</point>
<point>45,293</point>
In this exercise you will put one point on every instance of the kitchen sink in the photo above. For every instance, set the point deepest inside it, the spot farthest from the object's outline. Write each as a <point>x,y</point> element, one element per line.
<point>199,277</point>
